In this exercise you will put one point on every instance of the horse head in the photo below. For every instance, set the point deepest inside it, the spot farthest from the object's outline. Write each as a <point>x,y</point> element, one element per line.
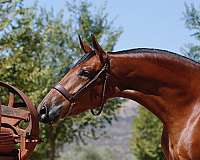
<point>83,87</point>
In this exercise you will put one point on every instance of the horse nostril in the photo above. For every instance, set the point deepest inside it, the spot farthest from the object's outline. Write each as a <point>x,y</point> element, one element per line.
<point>43,110</point>
<point>44,114</point>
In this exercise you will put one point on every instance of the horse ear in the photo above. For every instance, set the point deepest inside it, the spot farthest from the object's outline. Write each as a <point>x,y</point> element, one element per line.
<point>84,46</point>
<point>99,51</point>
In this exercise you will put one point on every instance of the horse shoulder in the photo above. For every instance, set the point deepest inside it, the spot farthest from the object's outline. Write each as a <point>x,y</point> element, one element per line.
<point>189,142</point>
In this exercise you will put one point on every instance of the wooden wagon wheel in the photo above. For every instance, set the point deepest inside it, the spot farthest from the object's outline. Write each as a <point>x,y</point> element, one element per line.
<point>15,113</point>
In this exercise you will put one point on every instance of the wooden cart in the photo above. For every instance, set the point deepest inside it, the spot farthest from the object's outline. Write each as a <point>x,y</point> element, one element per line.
<point>19,125</point>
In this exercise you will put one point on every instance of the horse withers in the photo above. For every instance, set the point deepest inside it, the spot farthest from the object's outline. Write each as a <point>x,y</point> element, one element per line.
<point>165,83</point>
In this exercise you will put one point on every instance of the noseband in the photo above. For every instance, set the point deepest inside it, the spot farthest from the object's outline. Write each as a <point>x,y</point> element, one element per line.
<point>72,97</point>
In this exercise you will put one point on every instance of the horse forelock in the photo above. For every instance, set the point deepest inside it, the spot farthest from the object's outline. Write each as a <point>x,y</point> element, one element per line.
<point>84,58</point>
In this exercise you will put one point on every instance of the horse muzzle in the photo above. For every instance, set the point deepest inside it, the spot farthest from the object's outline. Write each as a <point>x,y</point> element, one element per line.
<point>49,114</point>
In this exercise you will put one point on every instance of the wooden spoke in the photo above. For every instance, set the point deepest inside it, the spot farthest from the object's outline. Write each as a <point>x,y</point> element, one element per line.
<point>11,99</point>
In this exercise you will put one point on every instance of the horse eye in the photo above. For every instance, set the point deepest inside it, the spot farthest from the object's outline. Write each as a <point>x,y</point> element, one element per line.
<point>84,73</point>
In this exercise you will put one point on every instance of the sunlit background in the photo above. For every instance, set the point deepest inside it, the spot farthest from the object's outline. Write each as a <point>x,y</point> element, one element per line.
<point>36,49</point>
<point>154,24</point>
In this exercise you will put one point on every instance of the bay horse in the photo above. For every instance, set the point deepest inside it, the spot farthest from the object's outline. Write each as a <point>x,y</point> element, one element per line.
<point>165,83</point>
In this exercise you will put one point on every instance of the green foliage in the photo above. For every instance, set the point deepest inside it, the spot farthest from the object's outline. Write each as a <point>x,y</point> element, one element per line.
<point>192,19</point>
<point>35,48</point>
<point>145,142</point>
<point>8,12</point>
<point>89,20</point>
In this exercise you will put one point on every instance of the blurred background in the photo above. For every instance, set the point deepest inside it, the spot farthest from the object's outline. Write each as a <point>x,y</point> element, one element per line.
<point>39,40</point>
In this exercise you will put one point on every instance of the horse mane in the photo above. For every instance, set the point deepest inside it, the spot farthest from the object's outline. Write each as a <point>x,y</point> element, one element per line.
<point>84,58</point>
<point>158,52</point>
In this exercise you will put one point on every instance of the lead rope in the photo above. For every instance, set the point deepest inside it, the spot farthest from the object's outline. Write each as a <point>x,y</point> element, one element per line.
<point>102,98</point>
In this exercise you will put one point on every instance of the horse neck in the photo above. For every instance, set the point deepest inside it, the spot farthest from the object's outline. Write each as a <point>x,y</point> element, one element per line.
<point>161,83</point>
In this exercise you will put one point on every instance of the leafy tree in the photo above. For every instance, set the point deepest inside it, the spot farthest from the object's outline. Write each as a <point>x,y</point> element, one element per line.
<point>192,22</point>
<point>35,50</point>
<point>145,142</point>
<point>8,12</point>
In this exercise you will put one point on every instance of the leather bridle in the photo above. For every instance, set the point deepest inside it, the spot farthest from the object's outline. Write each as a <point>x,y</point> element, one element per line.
<point>73,97</point>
